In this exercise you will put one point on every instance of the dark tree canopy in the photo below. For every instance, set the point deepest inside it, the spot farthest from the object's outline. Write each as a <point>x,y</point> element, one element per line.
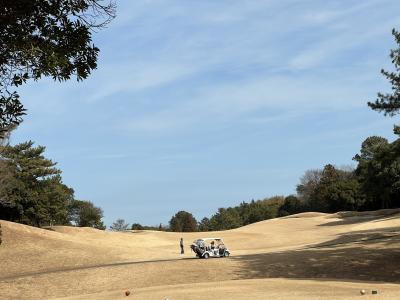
<point>226,218</point>
<point>137,226</point>
<point>243,214</point>
<point>389,103</point>
<point>32,191</point>
<point>183,221</point>
<point>378,172</point>
<point>291,205</point>
<point>205,225</point>
<point>85,214</point>
<point>328,190</point>
<point>50,38</point>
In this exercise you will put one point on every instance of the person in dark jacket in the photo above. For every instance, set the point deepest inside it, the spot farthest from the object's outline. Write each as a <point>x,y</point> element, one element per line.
<point>181,245</point>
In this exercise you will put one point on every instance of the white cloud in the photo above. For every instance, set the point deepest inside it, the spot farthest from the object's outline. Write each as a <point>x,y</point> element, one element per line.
<point>332,45</point>
<point>279,98</point>
<point>113,79</point>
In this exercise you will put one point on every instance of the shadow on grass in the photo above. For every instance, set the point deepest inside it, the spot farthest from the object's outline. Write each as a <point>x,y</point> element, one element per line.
<point>365,256</point>
<point>353,217</point>
<point>388,236</point>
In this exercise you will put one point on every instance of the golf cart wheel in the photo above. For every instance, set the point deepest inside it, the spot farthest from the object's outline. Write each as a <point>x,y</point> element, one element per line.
<point>206,255</point>
<point>226,254</point>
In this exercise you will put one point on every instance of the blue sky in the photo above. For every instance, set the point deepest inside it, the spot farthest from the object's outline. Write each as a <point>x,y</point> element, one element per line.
<point>197,105</point>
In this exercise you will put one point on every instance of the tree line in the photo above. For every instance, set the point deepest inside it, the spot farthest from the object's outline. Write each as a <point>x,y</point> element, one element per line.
<point>373,184</point>
<point>32,192</point>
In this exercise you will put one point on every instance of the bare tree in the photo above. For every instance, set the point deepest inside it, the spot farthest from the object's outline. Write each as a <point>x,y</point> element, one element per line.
<point>119,225</point>
<point>308,182</point>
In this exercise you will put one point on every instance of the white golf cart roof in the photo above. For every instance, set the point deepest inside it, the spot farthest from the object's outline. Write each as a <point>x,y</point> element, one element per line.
<point>208,239</point>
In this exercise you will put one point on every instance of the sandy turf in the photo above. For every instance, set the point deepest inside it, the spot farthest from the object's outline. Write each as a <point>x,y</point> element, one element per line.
<point>258,289</point>
<point>305,256</point>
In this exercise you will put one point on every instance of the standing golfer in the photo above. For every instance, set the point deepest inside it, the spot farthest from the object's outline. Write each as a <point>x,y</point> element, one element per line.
<point>181,244</point>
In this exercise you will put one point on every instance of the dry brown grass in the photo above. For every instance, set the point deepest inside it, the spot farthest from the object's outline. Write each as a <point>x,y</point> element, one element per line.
<point>315,256</point>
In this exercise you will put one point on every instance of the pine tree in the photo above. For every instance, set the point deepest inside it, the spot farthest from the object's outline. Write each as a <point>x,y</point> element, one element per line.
<point>34,194</point>
<point>389,103</point>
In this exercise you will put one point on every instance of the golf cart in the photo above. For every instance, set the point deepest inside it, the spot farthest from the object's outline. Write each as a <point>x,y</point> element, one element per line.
<point>209,247</point>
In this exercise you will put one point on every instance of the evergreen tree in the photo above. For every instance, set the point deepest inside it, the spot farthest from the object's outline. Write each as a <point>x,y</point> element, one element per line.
<point>378,172</point>
<point>183,221</point>
<point>337,190</point>
<point>226,218</point>
<point>379,162</point>
<point>137,226</point>
<point>34,193</point>
<point>85,214</point>
<point>291,205</point>
<point>205,225</point>
<point>389,103</point>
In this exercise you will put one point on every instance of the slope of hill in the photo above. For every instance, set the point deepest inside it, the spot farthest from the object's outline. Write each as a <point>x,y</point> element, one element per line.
<point>93,264</point>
